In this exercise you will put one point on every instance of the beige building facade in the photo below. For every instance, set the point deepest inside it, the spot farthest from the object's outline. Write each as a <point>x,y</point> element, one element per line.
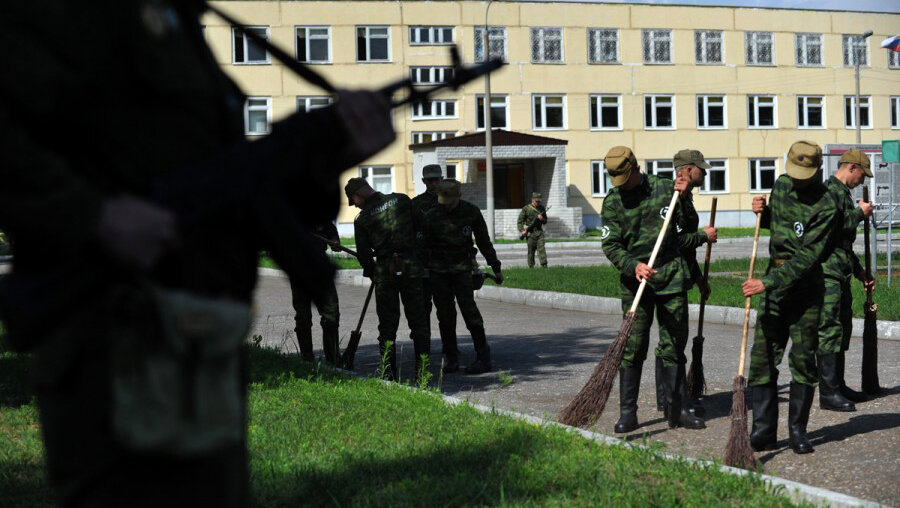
<point>738,84</point>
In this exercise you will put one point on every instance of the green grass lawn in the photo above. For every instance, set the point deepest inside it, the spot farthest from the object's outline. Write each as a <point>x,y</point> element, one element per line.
<point>320,440</point>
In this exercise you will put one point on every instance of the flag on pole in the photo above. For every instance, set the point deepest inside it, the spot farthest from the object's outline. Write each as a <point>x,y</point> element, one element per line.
<point>891,43</point>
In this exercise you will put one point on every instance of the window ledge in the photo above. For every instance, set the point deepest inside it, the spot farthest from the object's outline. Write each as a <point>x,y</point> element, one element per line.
<point>252,63</point>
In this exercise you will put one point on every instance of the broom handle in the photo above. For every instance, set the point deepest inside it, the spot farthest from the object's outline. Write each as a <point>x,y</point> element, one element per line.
<point>747,304</point>
<point>712,223</point>
<point>659,241</point>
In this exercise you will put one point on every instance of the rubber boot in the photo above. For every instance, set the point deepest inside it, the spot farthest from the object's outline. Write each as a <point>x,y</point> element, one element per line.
<point>676,410</point>
<point>482,362</point>
<point>629,386</point>
<point>390,367</point>
<point>830,397</point>
<point>764,400</point>
<point>660,386</point>
<point>304,342</point>
<point>851,395</point>
<point>330,343</point>
<point>798,416</point>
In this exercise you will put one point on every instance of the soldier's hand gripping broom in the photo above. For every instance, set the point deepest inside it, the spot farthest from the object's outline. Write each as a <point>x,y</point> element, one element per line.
<point>588,405</point>
<point>870,383</point>
<point>695,383</point>
<point>738,452</point>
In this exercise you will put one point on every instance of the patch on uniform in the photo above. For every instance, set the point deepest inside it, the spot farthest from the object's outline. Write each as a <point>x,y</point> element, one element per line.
<point>663,211</point>
<point>467,230</point>
<point>604,232</point>
<point>679,228</point>
<point>798,229</point>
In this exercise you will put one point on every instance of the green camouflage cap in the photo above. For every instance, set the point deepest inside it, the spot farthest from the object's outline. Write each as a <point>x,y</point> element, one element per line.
<point>804,160</point>
<point>353,185</point>
<point>687,156</point>
<point>535,195</point>
<point>619,162</point>
<point>858,157</point>
<point>448,190</point>
<point>432,171</point>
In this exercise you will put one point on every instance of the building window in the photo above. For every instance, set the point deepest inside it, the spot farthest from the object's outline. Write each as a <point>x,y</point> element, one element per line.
<point>762,175</point>
<point>662,169</point>
<point>430,35</point>
<point>895,112</point>
<point>313,44</point>
<point>499,112</point>
<point>761,111</point>
<point>419,137</point>
<point>308,104</point>
<point>708,46</point>
<point>659,112</point>
<point>600,183</point>
<point>606,112</point>
<point>810,111</point>
<point>373,44</point>
<point>716,180</point>
<point>855,50</point>
<point>546,45</point>
<point>759,48</point>
<point>380,178</point>
<point>657,46</point>
<point>893,59</point>
<point>496,42</point>
<point>434,109</point>
<point>247,51</point>
<point>603,45</point>
<point>430,75</point>
<point>257,115</point>
<point>710,111</point>
<point>549,112</point>
<point>809,49</point>
<point>452,172</point>
<point>850,112</point>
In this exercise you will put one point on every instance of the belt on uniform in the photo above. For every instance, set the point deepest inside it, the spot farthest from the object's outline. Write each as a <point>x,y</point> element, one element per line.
<point>779,261</point>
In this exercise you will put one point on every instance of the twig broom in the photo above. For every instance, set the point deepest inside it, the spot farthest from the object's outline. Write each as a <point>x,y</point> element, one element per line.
<point>695,383</point>
<point>588,405</point>
<point>738,452</point>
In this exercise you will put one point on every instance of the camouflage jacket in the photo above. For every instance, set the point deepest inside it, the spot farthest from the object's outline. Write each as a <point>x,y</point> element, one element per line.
<point>843,262</point>
<point>384,228</point>
<point>528,217</point>
<point>803,234</point>
<point>689,226</point>
<point>632,220</point>
<point>420,205</point>
<point>448,238</point>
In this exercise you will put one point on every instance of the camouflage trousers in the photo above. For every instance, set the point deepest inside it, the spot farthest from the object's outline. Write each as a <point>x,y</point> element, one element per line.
<point>536,243</point>
<point>794,317</point>
<point>672,315</point>
<point>448,287</point>
<point>388,295</point>
<point>329,318</point>
<point>836,318</point>
<point>426,301</point>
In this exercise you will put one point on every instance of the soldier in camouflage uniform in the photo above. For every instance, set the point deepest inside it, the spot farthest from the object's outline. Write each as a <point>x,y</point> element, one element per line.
<point>384,231</point>
<point>633,214</point>
<point>431,177</point>
<point>835,321</point>
<point>531,224</point>
<point>801,218</point>
<point>448,236</point>
<point>328,307</point>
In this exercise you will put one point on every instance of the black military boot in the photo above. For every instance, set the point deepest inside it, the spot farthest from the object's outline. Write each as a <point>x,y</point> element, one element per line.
<point>629,386</point>
<point>330,343</point>
<point>422,347</point>
<point>304,342</point>
<point>390,360</point>
<point>765,417</point>
<point>849,394</point>
<point>830,397</point>
<point>660,386</point>
<point>449,348</point>
<point>798,416</point>
<point>482,362</point>
<point>676,411</point>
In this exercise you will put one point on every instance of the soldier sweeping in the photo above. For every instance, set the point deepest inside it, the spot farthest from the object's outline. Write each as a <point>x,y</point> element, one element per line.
<point>531,227</point>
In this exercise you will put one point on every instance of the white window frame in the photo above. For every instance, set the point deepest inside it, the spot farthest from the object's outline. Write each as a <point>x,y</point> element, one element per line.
<point>368,36</point>
<point>438,109</point>
<point>479,109</point>
<point>308,38</point>
<point>654,169</point>
<point>435,75</point>
<point>751,41</point>
<point>267,108</point>
<point>435,32</point>
<point>701,38</point>
<point>245,42</point>
<point>541,35</point>
<point>652,36</point>
<point>801,47</point>
<point>895,111</point>
<point>368,171</point>
<point>848,41</point>
<point>865,102</point>
<point>755,170</point>
<point>542,98</point>
<point>495,33</point>
<point>418,137</point>
<point>893,60</point>
<point>753,103</point>
<point>598,171</point>
<point>705,99</point>
<point>654,104</point>
<point>703,189</point>
<point>803,111</point>
<point>595,108</point>
<point>305,102</point>
<point>595,37</point>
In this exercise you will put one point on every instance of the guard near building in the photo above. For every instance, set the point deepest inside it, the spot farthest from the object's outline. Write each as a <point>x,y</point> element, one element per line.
<point>633,214</point>
<point>531,225</point>
<point>385,242</point>
<point>449,229</point>
<point>836,318</point>
<point>328,308</point>
<point>801,218</point>
<point>431,177</point>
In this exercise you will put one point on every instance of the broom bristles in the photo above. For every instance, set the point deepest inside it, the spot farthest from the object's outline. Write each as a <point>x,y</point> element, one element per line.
<point>695,381</point>
<point>738,452</point>
<point>590,402</point>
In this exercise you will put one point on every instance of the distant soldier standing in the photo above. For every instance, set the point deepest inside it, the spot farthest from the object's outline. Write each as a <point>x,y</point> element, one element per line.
<point>531,225</point>
<point>384,230</point>
<point>448,235</point>
<point>835,321</point>
<point>431,177</point>
<point>328,307</point>
<point>633,214</point>
<point>801,218</point>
